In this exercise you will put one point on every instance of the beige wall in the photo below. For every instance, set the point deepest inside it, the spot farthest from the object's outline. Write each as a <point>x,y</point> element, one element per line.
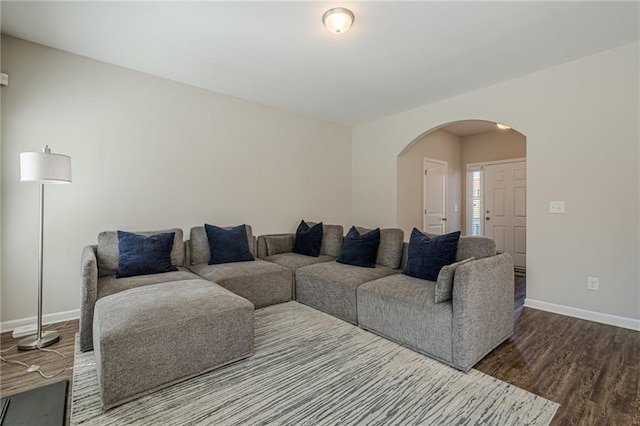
<point>493,146</point>
<point>490,146</point>
<point>582,122</point>
<point>439,145</point>
<point>148,153</point>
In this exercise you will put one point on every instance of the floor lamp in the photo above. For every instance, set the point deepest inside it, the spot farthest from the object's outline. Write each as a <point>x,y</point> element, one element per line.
<point>42,167</point>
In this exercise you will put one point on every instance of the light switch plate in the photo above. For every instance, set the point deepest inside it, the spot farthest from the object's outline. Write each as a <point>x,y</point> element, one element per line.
<point>556,206</point>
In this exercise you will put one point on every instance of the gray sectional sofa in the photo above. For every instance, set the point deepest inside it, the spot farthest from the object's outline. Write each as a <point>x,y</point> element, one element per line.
<point>459,332</point>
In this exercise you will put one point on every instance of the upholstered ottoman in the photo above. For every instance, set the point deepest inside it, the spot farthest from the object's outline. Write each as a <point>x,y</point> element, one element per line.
<point>150,337</point>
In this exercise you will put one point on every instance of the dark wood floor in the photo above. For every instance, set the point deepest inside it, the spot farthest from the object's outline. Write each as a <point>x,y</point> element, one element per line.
<point>591,369</point>
<point>15,378</point>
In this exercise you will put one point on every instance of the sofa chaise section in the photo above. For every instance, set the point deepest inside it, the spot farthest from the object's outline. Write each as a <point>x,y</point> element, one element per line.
<point>331,286</point>
<point>262,283</point>
<point>98,266</point>
<point>458,332</point>
<point>150,337</point>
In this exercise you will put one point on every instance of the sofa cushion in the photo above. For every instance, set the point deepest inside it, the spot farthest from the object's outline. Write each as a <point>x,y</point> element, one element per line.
<point>143,255</point>
<point>332,236</point>
<point>427,255</point>
<point>262,283</point>
<point>227,244</point>
<point>109,284</point>
<point>331,287</point>
<point>277,244</point>
<point>478,247</point>
<point>308,239</point>
<point>360,249</point>
<point>403,309</point>
<point>390,249</point>
<point>294,261</point>
<point>199,244</point>
<point>107,252</point>
<point>444,285</point>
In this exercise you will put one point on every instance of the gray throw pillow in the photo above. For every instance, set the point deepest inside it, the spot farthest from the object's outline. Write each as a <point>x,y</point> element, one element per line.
<point>277,244</point>
<point>444,285</point>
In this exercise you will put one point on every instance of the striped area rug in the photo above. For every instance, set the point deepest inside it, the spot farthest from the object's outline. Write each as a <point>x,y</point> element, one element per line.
<point>310,368</point>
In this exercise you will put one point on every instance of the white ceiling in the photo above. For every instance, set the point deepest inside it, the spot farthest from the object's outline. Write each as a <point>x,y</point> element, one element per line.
<point>397,55</point>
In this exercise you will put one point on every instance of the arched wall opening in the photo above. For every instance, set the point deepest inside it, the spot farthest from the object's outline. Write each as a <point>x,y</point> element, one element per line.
<point>459,144</point>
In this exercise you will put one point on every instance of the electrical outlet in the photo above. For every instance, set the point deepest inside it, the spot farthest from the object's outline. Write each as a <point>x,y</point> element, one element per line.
<point>593,283</point>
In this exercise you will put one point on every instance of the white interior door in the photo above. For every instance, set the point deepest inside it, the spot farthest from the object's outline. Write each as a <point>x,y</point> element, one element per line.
<point>435,196</point>
<point>505,203</point>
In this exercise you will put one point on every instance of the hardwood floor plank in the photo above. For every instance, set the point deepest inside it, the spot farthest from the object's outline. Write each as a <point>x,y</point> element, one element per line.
<point>598,414</point>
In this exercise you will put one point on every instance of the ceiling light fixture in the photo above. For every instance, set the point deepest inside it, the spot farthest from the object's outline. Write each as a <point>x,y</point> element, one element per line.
<point>338,20</point>
<point>502,126</point>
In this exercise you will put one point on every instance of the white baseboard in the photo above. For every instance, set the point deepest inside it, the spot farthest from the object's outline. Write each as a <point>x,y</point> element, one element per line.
<point>46,319</point>
<point>609,319</point>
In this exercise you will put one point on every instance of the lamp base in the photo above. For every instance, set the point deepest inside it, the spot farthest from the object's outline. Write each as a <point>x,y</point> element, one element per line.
<point>31,342</point>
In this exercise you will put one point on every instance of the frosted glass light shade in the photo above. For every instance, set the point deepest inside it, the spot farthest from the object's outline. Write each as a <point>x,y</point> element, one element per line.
<point>338,20</point>
<point>45,167</point>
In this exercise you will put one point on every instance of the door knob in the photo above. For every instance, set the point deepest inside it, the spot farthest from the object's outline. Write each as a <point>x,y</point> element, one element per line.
<point>444,219</point>
<point>487,218</point>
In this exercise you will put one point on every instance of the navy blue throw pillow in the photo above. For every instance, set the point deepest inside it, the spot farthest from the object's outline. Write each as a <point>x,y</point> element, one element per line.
<point>143,255</point>
<point>428,255</point>
<point>228,244</point>
<point>308,239</point>
<point>360,250</point>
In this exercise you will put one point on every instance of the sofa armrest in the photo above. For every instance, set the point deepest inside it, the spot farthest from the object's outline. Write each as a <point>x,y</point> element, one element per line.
<point>271,244</point>
<point>483,294</point>
<point>89,295</point>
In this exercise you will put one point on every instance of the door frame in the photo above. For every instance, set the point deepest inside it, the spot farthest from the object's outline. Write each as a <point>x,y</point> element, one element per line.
<point>444,192</point>
<point>475,167</point>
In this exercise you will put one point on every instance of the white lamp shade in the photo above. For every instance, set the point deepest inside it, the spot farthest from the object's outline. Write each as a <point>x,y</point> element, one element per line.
<point>43,167</point>
<point>338,20</point>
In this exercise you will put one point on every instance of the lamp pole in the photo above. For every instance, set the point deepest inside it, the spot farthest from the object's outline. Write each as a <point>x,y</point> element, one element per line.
<point>43,168</point>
